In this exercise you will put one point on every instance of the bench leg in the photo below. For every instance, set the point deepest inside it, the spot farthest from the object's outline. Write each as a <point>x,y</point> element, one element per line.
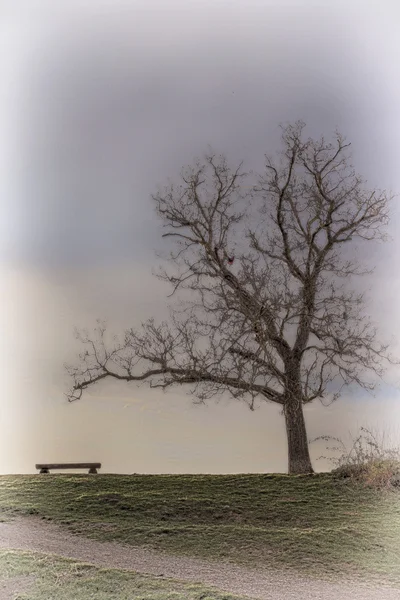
<point>44,471</point>
<point>93,471</point>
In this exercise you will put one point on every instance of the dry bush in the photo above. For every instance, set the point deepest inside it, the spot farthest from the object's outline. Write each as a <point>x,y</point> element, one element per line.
<point>369,460</point>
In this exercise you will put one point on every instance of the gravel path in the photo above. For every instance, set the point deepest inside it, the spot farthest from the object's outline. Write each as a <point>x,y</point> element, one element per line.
<point>33,534</point>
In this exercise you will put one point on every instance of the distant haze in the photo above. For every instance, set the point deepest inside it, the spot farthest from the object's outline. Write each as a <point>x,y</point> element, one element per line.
<point>100,106</point>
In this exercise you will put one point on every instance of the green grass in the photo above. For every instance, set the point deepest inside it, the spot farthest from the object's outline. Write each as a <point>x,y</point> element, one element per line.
<point>62,579</point>
<point>312,524</point>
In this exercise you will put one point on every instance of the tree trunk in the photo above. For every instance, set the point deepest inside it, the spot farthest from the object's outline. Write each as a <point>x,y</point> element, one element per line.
<point>299,456</point>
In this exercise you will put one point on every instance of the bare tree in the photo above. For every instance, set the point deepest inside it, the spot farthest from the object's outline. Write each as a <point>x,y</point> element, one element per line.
<point>269,313</point>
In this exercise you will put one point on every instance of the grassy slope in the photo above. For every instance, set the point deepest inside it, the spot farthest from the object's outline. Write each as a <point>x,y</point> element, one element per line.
<point>62,579</point>
<point>308,523</point>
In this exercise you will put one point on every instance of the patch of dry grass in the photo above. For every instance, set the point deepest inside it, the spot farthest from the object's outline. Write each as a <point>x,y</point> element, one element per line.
<point>51,578</point>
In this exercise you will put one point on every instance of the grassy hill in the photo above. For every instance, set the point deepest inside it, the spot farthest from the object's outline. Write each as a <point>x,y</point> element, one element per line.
<point>313,524</point>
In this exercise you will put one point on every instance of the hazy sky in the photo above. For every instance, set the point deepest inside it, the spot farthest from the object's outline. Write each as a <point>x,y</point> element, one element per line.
<point>100,105</point>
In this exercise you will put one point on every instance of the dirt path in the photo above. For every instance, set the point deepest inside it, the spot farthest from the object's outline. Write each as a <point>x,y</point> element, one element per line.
<point>34,534</point>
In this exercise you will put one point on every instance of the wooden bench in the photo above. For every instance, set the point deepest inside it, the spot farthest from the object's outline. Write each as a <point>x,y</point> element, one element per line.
<point>91,466</point>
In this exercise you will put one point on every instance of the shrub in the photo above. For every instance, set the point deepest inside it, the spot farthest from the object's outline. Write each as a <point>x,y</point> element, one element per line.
<point>368,461</point>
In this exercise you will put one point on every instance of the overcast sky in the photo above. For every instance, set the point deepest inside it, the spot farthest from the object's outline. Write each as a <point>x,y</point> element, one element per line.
<point>100,102</point>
